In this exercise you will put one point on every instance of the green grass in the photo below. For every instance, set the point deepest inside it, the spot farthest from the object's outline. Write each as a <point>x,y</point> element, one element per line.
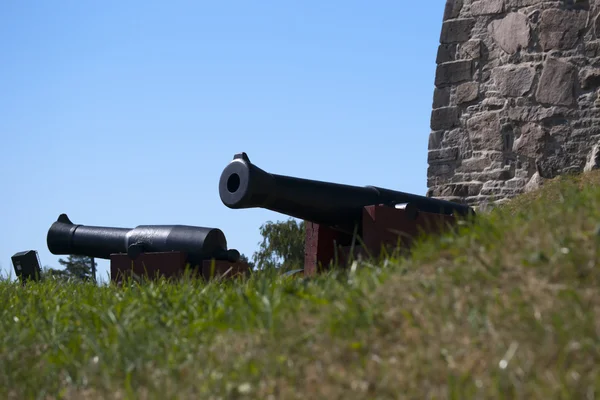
<point>506,308</point>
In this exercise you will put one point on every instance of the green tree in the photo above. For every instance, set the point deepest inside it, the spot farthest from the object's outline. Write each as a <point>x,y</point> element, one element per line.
<point>244,258</point>
<point>282,245</point>
<point>75,268</point>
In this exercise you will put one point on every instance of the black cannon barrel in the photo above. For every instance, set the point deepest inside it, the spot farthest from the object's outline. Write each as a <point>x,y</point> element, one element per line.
<point>244,185</point>
<point>199,243</point>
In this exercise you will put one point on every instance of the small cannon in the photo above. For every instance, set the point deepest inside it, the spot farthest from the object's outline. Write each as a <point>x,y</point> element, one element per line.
<point>334,213</point>
<point>146,249</point>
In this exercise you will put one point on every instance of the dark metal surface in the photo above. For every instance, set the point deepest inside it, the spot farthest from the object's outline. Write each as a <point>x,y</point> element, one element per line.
<point>198,243</point>
<point>27,265</point>
<point>244,185</point>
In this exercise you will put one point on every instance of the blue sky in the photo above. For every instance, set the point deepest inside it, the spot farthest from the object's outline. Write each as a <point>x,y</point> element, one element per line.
<point>125,113</point>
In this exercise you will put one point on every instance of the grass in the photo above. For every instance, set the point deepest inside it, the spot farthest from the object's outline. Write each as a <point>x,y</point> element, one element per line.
<point>506,308</point>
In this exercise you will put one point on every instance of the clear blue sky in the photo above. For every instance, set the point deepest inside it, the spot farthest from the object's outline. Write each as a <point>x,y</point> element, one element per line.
<point>123,113</point>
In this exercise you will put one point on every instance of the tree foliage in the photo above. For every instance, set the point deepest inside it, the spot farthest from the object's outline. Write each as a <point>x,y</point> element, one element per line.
<point>282,245</point>
<point>75,268</point>
<point>245,258</point>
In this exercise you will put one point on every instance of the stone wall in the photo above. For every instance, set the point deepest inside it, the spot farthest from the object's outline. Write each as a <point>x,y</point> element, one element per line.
<point>516,99</point>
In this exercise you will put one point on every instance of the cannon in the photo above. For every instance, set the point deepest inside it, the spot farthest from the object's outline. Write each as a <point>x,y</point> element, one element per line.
<point>155,248</point>
<point>244,185</point>
<point>335,213</point>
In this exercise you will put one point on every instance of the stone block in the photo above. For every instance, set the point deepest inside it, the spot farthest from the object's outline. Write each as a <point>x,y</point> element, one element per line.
<point>440,170</point>
<point>444,118</point>
<point>454,137</point>
<point>592,49</point>
<point>515,183</point>
<point>557,83</point>
<point>504,109</point>
<point>593,159</point>
<point>452,9</point>
<point>560,29</point>
<point>457,30</point>
<point>446,53</point>
<point>496,174</point>
<point>442,156</point>
<point>493,103</point>
<point>453,72</point>
<point>474,164</point>
<point>467,92</point>
<point>536,113</point>
<point>551,166</point>
<point>589,78</point>
<point>531,141</point>
<point>457,190</point>
<point>470,50</point>
<point>487,7</point>
<point>560,133</point>
<point>513,80</point>
<point>534,183</point>
<point>435,140</point>
<point>522,3</point>
<point>511,33</point>
<point>485,132</point>
<point>441,97</point>
<point>466,189</point>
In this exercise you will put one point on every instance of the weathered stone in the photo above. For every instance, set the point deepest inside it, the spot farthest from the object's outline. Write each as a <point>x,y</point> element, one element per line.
<point>485,132</point>
<point>557,83</point>
<point>453,72</point>
<point>560,133</point>
<point>515,183</point>
<point>517,97</point>
<point>530,143</point>
<point>551,166</point>
<point>560,29</point>
<point>457,30</point>
<point>536,113</point>
<point>454,137</point>
<point>446,53</point>
<point>470,50</point>
<point>466,189</point>
<point>586,100</point>
<point>589,78</point>
<point>493,103</point>
<point>442,155</point>
<point>452,9</point>
<point>474,164</point>
<point>485,7</point>
<point>592,49</point>
<point>513,80</point>
<point>463,189</point>
<point>534,183</point>
<point>522,3</point>
<point>496,174</point>
<point>435,140</point>
<point>511,33</point>
<point>467,92</point>
<point>593,159</point>
<point>444,118</point>
<point>492,190</point>
<point>441,170</point>
<point>441,97</point>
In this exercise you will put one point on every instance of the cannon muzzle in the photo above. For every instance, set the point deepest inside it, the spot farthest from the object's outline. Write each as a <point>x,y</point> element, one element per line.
<point>244,185</point>
<point>199,243</point>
